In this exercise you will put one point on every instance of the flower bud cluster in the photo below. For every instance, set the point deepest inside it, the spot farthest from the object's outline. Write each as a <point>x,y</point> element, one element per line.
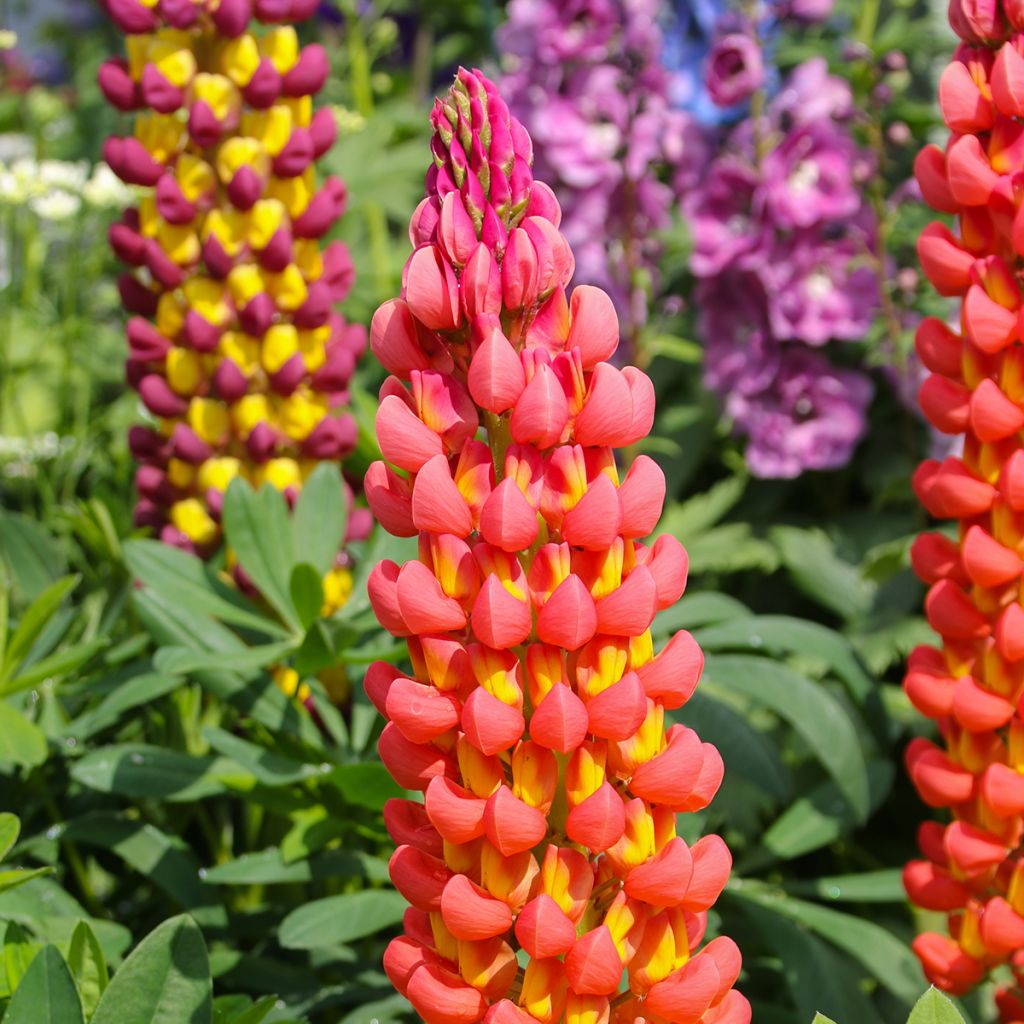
<point>545,876</point>
<point>236,349</point>
<point>973,686</point>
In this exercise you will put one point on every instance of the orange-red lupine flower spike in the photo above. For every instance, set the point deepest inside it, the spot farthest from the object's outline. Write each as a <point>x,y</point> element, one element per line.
<point>973,686</point>
<point>535,719</point>
<point>236,349</point>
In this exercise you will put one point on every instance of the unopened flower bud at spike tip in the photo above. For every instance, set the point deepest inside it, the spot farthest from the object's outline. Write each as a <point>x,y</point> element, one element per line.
<point>533,719</point>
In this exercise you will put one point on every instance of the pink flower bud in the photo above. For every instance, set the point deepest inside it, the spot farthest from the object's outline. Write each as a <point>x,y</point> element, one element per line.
<point>432,289</point>
<point>520,271</point>
<point>117,86</point>
<point>309,73</point>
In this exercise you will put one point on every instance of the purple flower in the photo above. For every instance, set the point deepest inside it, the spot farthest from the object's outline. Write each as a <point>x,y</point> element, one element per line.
<point>820,290</point>
<point>735,69</point>
<point>811,417</point>
<point>806,11</point>
<point>811,94</point>
<point>809,177</point>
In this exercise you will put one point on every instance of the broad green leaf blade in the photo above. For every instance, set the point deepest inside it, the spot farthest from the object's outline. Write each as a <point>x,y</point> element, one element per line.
<point>307,593</point>
<point>884,886</point>
<point>319,518</point>
<point>268,867</point>
<point>385,1011</point>
<point>820,719</point>
<point>33,555</point>
<point>10,829</point>
<point>339,919</point>
<point>257,529</point>
<point>367,784</point>
<point>164,861</point>
<point>185,580</point>
<point>15,877</point>
<point>134,691</point>
<point>58,664</point>
<point>21,741</point>
<point>697,514</point>
<point>19,951</point>
<point>934,1008</point>
<point>34,621</point>
<point>166,979</point>
<point>88,965</point>
<point>877,949</point>
<point>271,769</point>
<point>697,610</point>
<point>184,661</point>
<point>242,1010</point>
<point>141,770</point>
<point>47,993</point>
<point>820,1018</point>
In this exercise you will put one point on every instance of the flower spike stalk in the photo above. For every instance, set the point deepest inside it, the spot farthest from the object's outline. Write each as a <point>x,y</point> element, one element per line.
<point>235,347</point>
<point>543,869</point>
<point>973,685</point>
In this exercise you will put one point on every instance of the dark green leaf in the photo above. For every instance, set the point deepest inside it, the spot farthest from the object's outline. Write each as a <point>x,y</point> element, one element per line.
<point>365,785</point>
<point>269,768</point>
<point>307,593</point>
<point>133,692</point>
<point>697,610</point>
<point>183,661</point>
<point>814,713</point>
<point>340,919</point>
<point>166,979</point>
<point>319,518</point>
<point>33,555</point>
<point>58,664</point>
<point>268,867</point>
<point>46,994</point>
<point>33,622</point>
<point>884,886</point>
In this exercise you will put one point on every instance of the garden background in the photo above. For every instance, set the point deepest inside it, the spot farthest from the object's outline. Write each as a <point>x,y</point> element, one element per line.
<point>171,745</point>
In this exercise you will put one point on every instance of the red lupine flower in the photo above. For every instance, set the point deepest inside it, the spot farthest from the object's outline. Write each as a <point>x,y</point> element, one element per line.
<point>534,721</point>
<point>973,685</point>
<point>235,347</point>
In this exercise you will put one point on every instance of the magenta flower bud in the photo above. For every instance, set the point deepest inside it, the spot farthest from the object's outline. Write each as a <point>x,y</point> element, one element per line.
<point>145,341</point>
<point>520,184</point>
<point>147,514</point>
<point>134,371</point>
<point>132,17</point>
<point>214,503</point>
<point>309,73</point>
<point>199,333</point>
<point>173,537</point>
<point>432,289</point>
<point>337,369</point>
<point>245,187</point>
<point>556,262</point>
<point>359,526</point>
<point>316,310</point>
<point>188,446</point>
<point>158,397</point>
<point>135,296</point>
<point>171,203</point>
<point>296,155</point>
<point>543,203</point>
<point>323,130</point>
<point>261,442</point>
<point>216,258</point>
<point>146,444</point>
<point>229,381</point>
<point>129,246</point>
<point>289,376</point>
<point>257,315</point>
<point>179,14</point>
<point>164,270</point>
<point>264,87</point>
<point>394,339</point>
<point>333,437</point>
<point>130,161</point>
<point>424,223</point>
<point>231,17</point>
<point>151,482</point>
<point>456,234</point>
<point>271,11</point>
<point>117,85</point>
<point>319,216</point>
<point>301,10</point>
<point>158,93</point>
<point>807,11</point>
<point>204,126</point>
<point>339,271</point>
<point>493,233</point>
<point>735,69</point>
<point>520,271</point>
<point>278,251</point>
<point>481,284</point>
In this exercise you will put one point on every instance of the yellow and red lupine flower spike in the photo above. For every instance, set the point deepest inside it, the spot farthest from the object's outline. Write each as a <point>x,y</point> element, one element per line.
<point>236,349</point>
<point>973,685</point>
<point>546,880</point>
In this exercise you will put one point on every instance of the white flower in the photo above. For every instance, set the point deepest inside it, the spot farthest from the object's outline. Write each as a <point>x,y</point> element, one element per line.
<point>12,191</point>
<point>105,189</point>
<point>63,174</point>
<point>55,205</point>
<point>8,39</point>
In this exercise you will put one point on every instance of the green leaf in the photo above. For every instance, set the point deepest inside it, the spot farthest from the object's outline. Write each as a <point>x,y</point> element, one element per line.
<point>165,862</point>
<point>166,980</point>
<point>691,518</point>
<point>184,661</point>
<point>141,770</point>
<point>21,741</point>
<point>933,1008</point>
<point>269,768</point>
<point>31,552</point>
<point>888,958</point>
<point>340,919</point>
<point>10,829</point>
<point>133,692</point>
<point>384,1011</point>
<point>817,569</point>
<point>319,518</point>
<point>88,965</point>
<point>697,610</point>
<point>17,876</point>
<point>367,784</point>
<point>268,867</point>
<point>307,593</point>
<point>58,664</point>
<point>820,1018</point>
<point>19,952</point>
<point>185,580</point>
<point>257,529</point>
<point>242,1010</point>
<point>33,622</point>
<point>884,886</point>
<point>46,994</point>
<point>820,719</point>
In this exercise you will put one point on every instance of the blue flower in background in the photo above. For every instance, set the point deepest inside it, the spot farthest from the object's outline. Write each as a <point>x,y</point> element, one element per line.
<point>689,31</point>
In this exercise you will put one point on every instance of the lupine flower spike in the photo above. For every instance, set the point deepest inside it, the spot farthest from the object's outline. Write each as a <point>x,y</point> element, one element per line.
<point>543,869</point>
<point>235,347</point>
<point>973,685</point>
